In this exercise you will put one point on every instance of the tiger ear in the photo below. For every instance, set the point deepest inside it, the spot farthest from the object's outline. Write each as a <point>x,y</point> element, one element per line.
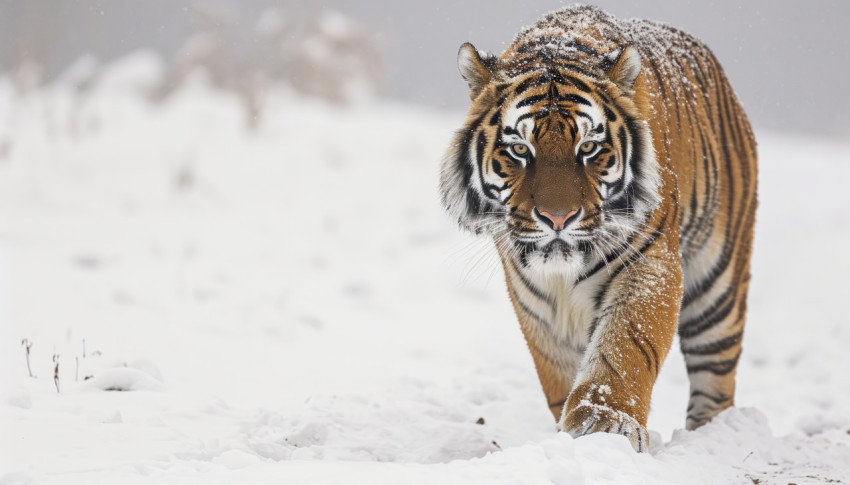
<point>626,68</point>
<point>477,68</point>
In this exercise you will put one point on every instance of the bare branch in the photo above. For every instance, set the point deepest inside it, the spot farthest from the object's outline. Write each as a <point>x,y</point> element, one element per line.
<point>56,371</point>
<point>28,345</point>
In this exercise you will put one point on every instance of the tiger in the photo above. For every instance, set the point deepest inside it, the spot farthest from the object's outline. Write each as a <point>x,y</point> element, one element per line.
<point>614,169</point>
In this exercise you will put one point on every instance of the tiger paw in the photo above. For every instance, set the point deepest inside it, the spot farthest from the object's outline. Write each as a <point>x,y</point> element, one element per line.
<point>589,418</point>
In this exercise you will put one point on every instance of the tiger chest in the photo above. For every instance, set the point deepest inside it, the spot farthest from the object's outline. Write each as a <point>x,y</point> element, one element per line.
<point>563,317</point>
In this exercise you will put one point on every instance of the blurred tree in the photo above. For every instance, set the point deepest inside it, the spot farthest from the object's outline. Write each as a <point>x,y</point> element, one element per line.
<point>315,52</point>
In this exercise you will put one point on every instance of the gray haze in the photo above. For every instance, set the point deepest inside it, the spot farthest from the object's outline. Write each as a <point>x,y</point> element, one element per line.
<point>788,60</point>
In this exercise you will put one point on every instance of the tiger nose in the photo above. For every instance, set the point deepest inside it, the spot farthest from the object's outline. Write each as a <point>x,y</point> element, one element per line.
<point>557,220</point>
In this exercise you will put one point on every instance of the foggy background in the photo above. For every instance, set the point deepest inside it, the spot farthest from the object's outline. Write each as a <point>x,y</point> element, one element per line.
<point>788,60</point>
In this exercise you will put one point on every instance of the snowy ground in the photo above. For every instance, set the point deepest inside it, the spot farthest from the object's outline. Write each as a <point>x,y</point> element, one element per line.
<point>292,305</point>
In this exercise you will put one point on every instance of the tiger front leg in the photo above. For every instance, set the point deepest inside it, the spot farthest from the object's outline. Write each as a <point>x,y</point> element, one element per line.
<point>635,331</point>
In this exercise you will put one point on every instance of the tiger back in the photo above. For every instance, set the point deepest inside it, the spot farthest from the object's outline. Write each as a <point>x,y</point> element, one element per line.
<point>613,167</point>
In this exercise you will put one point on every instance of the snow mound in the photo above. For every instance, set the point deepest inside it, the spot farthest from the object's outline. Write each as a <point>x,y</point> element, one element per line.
<point>738,444</point>
<point>124,379</point>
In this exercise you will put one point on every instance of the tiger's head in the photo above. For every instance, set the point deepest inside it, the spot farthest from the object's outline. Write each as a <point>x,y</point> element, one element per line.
<point>554,161</point>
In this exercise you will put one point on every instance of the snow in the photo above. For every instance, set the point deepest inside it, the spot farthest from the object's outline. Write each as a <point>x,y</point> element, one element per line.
<point>291,304</point>
<point>666,48</point>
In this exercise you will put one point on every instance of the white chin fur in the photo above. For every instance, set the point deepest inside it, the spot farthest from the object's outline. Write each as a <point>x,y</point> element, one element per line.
<point>555,263</point>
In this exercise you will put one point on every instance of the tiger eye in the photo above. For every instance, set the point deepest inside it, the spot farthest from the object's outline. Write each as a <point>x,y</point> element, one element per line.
<point>519,149</point>
<point>587,147</point>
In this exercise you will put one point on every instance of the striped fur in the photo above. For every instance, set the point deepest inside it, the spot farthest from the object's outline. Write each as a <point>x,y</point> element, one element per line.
<point>627,134</point>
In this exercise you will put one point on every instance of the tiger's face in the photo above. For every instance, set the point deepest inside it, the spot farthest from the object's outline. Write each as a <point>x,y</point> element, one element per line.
<point>552,164</point>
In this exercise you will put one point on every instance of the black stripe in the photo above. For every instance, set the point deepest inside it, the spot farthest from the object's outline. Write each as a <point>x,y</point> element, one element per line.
<point>553,91</point>
<point>586,49</point>
<point>524,250</point>
<point>635,341</point>
<point>720,368</point>
<point>497,169</point>
<point>703,416</point>
<point>491,191</point>
<point>462,162</point>
<point>654,356</point>
<point>713,315</point>
<point>531,313</point>
<point>552,75</point>
<point>480,146</point>
<point>573,98</point>
<point>496,118</point>
<point>616,254</point>
<point>531,100</point>
<point>573,127</point>
<point>615,203</point>
<point>509,130</point>
<point>533,289</point>
<point>715,399</point>
<point>520,70</point>
<point>707,281</point>
<point>608,363</point>
<point>473,202</point>
<point>621,136</point>
<point>716,347</point>
<point>720,300</point>
<point>578,83</point>
<point>522,118</point>
<point>636,163</point>
<point>582,114</point>
<point>576,67</point>
<point>526,84</point>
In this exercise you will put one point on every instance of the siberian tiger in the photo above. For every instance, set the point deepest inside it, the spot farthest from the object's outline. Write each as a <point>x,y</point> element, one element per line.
<point>612,165</point>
